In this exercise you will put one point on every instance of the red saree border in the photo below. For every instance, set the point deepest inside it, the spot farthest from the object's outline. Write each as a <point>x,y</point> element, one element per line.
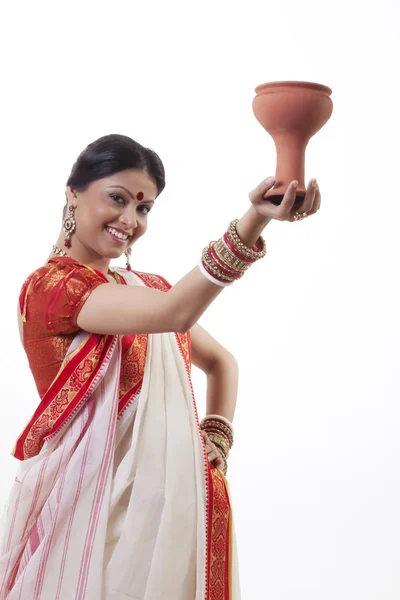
<point>154,281</point>
<point>209,512</point>
<point>103,357</point>
<point>184,339</point>
<point>208,482</point>
<point>96,348</point>
<point>219,546</point>
<point>128,398</point>
<point>218,555</point>
<point>130,394</point>
<point>160,283</point>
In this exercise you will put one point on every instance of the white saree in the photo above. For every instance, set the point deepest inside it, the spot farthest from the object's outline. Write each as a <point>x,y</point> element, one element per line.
<point>115,506</point>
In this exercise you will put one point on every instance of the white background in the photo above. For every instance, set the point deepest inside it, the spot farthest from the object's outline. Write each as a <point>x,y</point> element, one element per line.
<point>314,470</point>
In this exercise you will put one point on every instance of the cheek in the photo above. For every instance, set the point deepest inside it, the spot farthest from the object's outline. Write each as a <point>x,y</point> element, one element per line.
<point>92,222</point>
<point>140,230</point>
<point>143,223</point>
<point>103,215</point>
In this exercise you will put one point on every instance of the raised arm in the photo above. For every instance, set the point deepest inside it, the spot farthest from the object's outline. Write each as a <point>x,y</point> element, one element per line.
<point>134,309</point>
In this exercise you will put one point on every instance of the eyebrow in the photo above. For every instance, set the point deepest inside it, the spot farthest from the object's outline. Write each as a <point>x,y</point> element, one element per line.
<point>130,194</point>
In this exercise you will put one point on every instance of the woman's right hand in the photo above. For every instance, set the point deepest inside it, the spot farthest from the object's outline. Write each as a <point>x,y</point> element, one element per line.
<point>285,211</point>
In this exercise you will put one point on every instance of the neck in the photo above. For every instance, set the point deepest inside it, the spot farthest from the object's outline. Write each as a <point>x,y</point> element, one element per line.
<point>83,255</point>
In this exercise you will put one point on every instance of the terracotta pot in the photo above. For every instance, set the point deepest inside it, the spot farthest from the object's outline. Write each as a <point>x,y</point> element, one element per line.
<point>292,112</point>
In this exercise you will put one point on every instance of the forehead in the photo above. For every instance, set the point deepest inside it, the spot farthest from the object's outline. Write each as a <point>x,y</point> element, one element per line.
<point>135,180</point>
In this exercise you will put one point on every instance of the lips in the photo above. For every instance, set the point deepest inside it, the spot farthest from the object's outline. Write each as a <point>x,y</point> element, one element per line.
<point>116,235</point>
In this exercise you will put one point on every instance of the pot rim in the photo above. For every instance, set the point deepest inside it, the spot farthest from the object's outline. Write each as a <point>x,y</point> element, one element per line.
<point>272,86</point>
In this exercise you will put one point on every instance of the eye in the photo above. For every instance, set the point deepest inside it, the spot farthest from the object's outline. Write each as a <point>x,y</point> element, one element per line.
<point>117,198</point>
<point>146,208</point>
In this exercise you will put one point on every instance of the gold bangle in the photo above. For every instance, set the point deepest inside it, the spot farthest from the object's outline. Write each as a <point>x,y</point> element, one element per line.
<point>212,426</point>
<point>219,420</point>
<point>242,247</point>
<point>219,436</point>
<point>226,255</point>
<point>221,433</point>
<point>214,269</point>
<point>220,442</point>
<point>213,263</point>
<point>221,263</point>
<point>217,426</point>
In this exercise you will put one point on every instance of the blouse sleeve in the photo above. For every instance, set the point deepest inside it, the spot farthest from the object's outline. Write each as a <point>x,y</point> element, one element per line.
<point>57,295</point>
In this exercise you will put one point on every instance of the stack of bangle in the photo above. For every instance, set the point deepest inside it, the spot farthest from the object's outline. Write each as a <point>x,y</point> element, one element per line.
<point>220,432</point>
<point>227,260</point>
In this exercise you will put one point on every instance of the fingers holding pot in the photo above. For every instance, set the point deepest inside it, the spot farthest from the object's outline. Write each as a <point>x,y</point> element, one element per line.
<point>309,199</point>
<point>317,201</point>
<point>257,194</point>
<point>285,208</point>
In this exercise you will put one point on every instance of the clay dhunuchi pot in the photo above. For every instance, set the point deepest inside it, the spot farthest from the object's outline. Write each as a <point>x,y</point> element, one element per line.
<point>292,112</point>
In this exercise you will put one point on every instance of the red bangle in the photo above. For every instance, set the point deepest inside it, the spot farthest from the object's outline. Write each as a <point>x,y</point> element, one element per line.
<point>226,271</point>
<point>229,242</point>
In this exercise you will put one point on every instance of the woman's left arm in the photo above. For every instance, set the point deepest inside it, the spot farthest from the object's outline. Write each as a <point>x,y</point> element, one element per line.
<point>221,369</point>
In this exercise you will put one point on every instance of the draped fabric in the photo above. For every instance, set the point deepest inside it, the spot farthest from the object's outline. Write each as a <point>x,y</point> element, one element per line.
<point>114,496</point>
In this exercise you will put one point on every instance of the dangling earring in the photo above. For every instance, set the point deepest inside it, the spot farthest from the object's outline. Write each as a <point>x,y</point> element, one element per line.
<point>69,226</point>
<point>128,253</point>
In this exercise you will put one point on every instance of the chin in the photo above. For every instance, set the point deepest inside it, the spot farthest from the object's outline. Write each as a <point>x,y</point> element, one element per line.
<point>115,254</point>
<point>109,253</point>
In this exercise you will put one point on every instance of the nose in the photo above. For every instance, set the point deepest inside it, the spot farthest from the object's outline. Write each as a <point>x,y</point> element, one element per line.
<point>128,218</point>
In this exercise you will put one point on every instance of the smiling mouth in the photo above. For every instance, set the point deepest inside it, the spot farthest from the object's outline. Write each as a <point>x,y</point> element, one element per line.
<point>117,235</point>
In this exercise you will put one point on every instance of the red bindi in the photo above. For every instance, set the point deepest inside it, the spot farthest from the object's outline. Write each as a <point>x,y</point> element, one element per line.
<point>140,196</point>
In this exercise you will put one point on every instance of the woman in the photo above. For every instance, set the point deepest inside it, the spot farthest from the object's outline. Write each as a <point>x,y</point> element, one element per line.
<point>121,491</point>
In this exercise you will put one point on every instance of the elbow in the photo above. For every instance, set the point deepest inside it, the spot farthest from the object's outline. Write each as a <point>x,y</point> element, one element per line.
<point>173,319</point>
<point>183,325</point>
<point>177,321</point>
<point>227,360</point>
<point>184,322</point>
<point>180,319</point>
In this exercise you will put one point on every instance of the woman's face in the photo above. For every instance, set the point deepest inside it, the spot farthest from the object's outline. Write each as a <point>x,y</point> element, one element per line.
<point>111,214</point>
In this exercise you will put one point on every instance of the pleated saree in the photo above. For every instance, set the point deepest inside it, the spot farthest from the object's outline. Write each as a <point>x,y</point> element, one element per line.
<point>114,496</point>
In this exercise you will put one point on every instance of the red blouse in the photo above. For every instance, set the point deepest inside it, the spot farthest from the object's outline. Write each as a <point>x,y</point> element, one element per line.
<point>50,301</point>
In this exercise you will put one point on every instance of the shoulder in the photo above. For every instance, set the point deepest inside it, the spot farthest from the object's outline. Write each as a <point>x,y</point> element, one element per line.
<point>58,269</point>
<point>60,277</point>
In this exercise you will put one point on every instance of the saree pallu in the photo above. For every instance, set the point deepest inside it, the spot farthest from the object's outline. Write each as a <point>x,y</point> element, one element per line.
<point>121,505</point>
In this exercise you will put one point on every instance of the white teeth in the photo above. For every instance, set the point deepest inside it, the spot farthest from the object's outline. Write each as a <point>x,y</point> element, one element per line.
<point>117,234</point>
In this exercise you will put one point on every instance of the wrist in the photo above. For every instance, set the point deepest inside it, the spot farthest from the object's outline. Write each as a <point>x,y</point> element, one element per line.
<point>250,226</point>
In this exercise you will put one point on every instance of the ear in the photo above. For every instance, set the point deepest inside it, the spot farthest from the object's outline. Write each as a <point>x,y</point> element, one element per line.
<point>71,196</point>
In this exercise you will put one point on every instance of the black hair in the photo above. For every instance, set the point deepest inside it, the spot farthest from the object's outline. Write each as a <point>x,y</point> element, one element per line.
<point>111,154</point>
